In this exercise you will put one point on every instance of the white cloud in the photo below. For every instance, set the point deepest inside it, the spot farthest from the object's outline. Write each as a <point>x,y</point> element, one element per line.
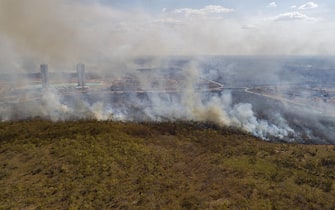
<point>293,16</point>
<point>272,5</point>
<point>206,11</point>
<point>308,5</point>
<point>293,6</point>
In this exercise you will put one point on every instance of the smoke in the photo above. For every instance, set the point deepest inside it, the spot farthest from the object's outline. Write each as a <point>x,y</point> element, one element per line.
<point>68,31</point>
<point>113,43</point>
<point>188,102</point>
<point>40,28</point>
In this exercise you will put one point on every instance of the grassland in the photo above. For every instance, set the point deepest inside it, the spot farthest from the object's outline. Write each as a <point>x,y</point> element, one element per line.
<point>180,165</point>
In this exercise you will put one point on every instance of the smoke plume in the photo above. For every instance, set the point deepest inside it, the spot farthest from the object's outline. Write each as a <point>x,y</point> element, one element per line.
<point>113,43</point>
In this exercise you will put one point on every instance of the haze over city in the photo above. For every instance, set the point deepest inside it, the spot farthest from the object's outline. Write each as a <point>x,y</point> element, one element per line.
<point>172,60</point>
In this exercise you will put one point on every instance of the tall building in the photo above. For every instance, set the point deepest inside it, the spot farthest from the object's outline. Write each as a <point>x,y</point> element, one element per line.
<point>44,75</point>
<point>81,75</point>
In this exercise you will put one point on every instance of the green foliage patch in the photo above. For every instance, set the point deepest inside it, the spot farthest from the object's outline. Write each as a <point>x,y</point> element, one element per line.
<point>169,165</point>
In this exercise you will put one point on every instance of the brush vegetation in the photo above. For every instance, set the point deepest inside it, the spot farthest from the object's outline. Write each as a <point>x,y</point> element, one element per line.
<point>180,165</point>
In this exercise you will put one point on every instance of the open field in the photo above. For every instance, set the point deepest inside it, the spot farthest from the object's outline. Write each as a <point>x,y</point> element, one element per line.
<point>180,165</point>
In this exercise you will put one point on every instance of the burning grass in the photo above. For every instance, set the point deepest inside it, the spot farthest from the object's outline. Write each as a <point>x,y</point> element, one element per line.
<point>101,165</point>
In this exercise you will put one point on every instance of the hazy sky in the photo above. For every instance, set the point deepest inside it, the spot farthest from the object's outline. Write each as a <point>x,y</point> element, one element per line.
<point>229,26</point>
<point>73,29</point>
<point>241,8</point>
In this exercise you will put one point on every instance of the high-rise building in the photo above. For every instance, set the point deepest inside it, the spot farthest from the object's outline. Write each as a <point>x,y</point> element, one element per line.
<point>44,75</point>
<point>81,75</point>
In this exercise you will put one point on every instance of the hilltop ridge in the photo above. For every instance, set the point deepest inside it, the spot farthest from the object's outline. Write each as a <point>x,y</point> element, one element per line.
<point>174,165</point>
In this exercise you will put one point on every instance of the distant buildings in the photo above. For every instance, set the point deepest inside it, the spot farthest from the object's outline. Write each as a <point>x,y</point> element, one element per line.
<point>44,75</point>
<point>81,75</point>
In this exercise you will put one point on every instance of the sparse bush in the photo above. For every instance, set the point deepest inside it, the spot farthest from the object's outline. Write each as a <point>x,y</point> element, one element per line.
<point>314,181</point>
<point>191,202</point>
<point>285,162</point>
<point>328,162</point>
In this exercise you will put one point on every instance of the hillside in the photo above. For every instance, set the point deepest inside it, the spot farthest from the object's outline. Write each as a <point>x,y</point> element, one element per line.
<point>180,165</point>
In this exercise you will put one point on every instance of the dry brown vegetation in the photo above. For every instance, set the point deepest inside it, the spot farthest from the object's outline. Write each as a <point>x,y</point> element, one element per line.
<point>180,165</point>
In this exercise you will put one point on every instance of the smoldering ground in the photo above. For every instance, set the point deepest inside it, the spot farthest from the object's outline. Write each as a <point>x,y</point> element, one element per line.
<point>263,117</point>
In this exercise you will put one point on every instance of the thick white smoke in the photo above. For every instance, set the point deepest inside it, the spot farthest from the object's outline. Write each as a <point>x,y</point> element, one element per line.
<point>187,103</point>
<point>65,32</point>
